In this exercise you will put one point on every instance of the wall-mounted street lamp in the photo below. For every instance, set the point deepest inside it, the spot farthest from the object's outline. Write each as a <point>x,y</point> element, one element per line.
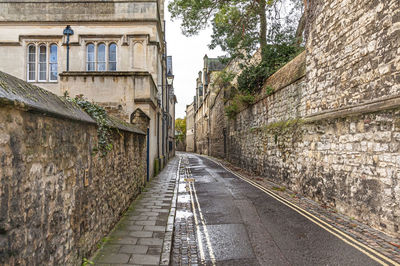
<point>68,32</point>
<point>170,79</point>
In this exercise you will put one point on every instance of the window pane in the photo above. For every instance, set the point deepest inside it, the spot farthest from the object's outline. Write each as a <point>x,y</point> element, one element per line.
<point>90,66</point>
<point>53,53</point>
<point>90,58</point>
<point>53,71</point>
<point>42,54</point>
<point>112,57</point>
<point>31,71</point>
<point>31,63</point>
<point>101,57</point>
<point>42,63</point>
<point>112,66</point>
<point>53,63</point>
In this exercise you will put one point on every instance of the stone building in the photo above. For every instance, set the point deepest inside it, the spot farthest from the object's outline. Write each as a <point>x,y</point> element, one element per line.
<point>172,101</point>
<point>116,55</point>
<point>330,128</point>
<point>204,95</point>
<point>190,127</point>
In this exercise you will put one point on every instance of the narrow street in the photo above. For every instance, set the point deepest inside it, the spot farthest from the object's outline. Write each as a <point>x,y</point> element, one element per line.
<point>222,220</point>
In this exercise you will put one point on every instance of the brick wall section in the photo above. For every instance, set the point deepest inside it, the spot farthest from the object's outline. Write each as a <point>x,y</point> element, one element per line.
<point>57,198</point>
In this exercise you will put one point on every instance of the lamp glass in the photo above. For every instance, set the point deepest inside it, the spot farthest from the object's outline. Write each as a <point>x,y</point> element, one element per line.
<point>170,80</point>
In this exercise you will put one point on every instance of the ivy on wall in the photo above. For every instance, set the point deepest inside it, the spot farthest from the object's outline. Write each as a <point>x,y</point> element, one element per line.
<point>98,113</point>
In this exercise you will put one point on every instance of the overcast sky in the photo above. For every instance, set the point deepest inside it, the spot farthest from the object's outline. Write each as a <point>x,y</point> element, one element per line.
<point>187,59</point>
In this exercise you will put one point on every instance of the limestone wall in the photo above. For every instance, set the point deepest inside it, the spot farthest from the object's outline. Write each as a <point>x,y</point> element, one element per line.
<point>330,130</point>
<point>58,198</point>
<point>353,53</point>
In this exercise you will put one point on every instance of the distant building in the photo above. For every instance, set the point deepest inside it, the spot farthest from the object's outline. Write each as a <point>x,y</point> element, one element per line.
<point>204,97</point>
<point>190,127</point>
<point>116,55</point>
<point>171,109</point>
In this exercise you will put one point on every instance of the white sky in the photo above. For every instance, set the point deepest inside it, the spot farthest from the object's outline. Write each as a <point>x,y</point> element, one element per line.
<point>187,60</point>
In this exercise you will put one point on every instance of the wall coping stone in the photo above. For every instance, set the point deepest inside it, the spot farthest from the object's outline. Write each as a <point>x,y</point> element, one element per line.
<point>28,97</point>
<point>288,74</point>
<point>384,103</point>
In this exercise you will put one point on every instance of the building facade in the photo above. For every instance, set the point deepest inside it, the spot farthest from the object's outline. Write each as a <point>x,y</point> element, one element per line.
<point>198,112</point>
<point>190,127</point>
<point>115,52</point>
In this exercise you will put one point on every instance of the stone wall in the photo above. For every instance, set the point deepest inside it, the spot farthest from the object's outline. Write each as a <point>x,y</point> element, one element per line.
<point>57,197</point>
<point>330,130</point>
<point>353,53</point>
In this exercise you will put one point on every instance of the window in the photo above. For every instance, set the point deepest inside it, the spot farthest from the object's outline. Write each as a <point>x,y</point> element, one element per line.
<point>31,62</point>
<point>112,57</point>
<point>42,62</point>
<point>53,65</point>
<point>90,62</point>
<point>101,57</point>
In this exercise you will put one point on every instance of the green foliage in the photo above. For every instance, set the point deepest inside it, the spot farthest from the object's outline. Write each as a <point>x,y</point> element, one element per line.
<point>224,79</point>
<point>239,26</point>
<point>283,127</point>
<point>269,90</point>
<point>252,78</point>
<point>180,128</point>
<point>87,262</point>
<point>98,113</point>
<point>232,110</point>
<point>246,99</point>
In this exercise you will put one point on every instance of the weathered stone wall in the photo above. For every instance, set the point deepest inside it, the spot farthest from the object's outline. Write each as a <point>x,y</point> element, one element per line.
<point>350,163</point>
<point>218,122</point>
<point>353,53</point>
<point>58,198</point>
<point>330,130</point>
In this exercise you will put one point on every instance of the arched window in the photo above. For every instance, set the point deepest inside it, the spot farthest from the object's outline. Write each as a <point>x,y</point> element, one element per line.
<point>31,63</point>
<point>90,58</point>
<point>112,57</point>
<point>101,57</point>
<point>42,62</point>
<point>53,65</point>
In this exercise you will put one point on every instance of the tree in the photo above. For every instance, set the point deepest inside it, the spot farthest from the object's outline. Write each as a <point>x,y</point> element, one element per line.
<point>180,128</point>
<point>239,26</point>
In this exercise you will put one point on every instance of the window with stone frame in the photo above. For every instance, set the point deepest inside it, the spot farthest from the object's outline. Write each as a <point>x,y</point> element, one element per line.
<point>42,62</point>
<point>101,56</point>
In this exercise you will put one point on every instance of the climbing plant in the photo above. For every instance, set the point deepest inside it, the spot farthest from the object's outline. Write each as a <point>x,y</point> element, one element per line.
<point>98,113</point>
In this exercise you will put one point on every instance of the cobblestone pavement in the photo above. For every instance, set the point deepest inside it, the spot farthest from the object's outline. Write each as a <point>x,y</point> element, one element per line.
<point>184,250</point>
<point>144,234</point>
<point>387,245</point>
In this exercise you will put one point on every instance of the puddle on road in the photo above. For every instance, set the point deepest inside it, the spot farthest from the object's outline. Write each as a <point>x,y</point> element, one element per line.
<point>183,198</point>
<point>182,187</point>
<point>183,214</point>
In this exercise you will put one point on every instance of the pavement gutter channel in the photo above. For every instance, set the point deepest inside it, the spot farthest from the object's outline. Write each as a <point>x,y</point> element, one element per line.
<point>167,243</point>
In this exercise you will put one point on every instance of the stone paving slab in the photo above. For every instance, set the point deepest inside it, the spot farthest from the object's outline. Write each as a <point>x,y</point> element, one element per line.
<point>143,235</point>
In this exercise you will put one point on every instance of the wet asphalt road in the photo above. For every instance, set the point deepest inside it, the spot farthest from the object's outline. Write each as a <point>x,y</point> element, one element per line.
<point>242,225</point>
